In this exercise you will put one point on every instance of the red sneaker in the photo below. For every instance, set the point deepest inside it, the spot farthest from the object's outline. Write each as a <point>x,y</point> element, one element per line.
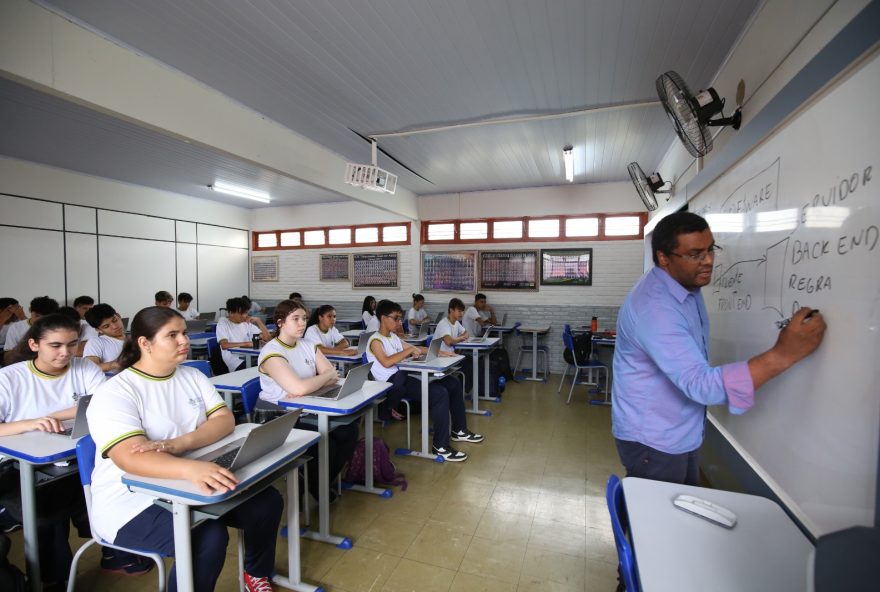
<point>255,584</point>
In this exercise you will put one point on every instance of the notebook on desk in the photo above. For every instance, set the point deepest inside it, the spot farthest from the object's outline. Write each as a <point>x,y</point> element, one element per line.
<point>79,427</point>
<point>480,338</point>
<point>260,441</point>
<point>353,382</point>
<point>363,341</point>
<point>433,354</point>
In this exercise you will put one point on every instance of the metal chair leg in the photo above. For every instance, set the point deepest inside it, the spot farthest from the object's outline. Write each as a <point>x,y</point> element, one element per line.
<point>562,380</point>
<point>574,380</point>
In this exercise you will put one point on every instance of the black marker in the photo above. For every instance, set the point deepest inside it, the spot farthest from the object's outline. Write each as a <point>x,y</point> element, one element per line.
<point>786,322</point>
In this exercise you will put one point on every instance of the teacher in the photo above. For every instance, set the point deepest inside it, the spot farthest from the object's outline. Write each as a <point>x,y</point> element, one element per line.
<point>662,377</point>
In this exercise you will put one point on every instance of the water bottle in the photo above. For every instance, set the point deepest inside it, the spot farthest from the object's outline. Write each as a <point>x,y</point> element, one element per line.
<point>256,342</point>
<point>594,324</point>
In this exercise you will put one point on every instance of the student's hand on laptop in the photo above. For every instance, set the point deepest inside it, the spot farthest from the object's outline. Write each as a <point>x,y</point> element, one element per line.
<point>210,477</point>
<point>350,351</point>
<point>47,424</point>
<point>463,337</point>
<point>330,376</point>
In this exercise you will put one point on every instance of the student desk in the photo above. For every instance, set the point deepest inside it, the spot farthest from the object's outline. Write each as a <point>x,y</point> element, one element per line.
<point>31,450</point>
<point>535,331</point>
<point>502,331</point>
<point>250,354</point>
<point>362,400</point>
<point>443,367</point>
<point>476,349</point>
<point>188,501</point>
<point>230,384</point>
<point>351,323</point>
<point>678,552</point>
<point>608,342</point>
<point>416,339</point>
<point>345,361</point>
<point>353,335</point>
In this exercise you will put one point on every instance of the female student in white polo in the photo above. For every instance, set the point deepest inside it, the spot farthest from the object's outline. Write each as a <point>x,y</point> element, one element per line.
<point>290,366</point>
<point>322,332</point>
<point>417,314</point>
<point>142,420</point>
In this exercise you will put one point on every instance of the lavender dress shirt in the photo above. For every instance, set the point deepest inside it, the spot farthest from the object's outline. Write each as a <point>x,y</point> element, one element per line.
<point>662,378</point>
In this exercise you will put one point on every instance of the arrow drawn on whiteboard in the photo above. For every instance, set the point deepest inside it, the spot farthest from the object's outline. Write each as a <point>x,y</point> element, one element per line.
<point>774,275</point>
<point>722,279</point>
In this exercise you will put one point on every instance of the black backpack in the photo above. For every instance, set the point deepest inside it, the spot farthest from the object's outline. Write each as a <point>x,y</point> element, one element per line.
<point>583,345</point>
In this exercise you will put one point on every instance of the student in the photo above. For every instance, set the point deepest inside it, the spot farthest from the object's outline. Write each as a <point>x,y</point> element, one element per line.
<point>185,308</point>
<point>368,310</point>
<point>452,332</point>
<point>10,312</point>
<point>104,349</point>
<point>290,366</point>
<point>417,314</point>
<point>237,329</point>
<point>479,316</point>
<point>322,332</point>
<point>38,392</point>
<point>82,304</point>
<point>295,296</point>
<point>385,350</point>
<point>143,421</point>
<point>40,306</point>
<point>253,307</point>
<point>164,298</point>
<point>71,313</point>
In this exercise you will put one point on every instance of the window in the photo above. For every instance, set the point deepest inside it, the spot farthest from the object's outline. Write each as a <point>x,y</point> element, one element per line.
<point>290,239</point>
<point>267,240</point>
<point>507,229</point>
<point>544,228</point>
<point>392,233</point>
<point>623,226</point>
<point>581,227</point>
<point>340,236</point>
<point>473,230</point>
<point>369,234</point>
<point>440,232</point>
<point>313,237</point>
<point>395,234</point>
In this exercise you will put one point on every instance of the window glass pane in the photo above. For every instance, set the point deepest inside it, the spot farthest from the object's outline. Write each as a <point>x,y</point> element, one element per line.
<point>394,234</point>
<point>543,228</point>
<point>441,231</point>
<point>366,235</point>
<point>267,239</point>
<point>340,236</point>
<point>507,229</point>
<point>473,230</point>
<point>290,239</point>
<point>313,237</point>
<point>582,227</point>
<point>622,226</point>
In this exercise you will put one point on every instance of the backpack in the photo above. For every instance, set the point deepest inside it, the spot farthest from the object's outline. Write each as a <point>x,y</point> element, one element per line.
<point>583,345</point>
<point>218,366</point>
<point>500,363</point>
<point>384,470</point>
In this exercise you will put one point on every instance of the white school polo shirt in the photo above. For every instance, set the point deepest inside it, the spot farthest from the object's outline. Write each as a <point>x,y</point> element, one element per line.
<point>373,325</point>
<point>86,331</point>
<point>315,336</point>
<point>137,404</point>
<point>104,347</point>
<point>366,316</point>
<point>15,332</point>
<point>470,321</point>
<point>392,345</point>
<point>190,314</point>
<point>27,393</point>
<point>417,315</point>
<point>301,357</point>
<point>234,333</point>
<point>444,327</point>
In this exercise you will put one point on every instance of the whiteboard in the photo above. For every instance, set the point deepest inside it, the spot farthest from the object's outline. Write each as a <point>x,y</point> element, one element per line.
<point>132,270</point>
<point>223,274</point>
<point>799,221</point>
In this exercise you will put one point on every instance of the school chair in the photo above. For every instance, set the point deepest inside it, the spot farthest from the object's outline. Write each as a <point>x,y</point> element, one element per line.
<point>85,458</point>
<point>626,568</point>
<point>588,365</point>
<point>526,348</point>
<point>204,366</point>
<point>250,393</point>
<point>566,328</point>
<point>406,326</point>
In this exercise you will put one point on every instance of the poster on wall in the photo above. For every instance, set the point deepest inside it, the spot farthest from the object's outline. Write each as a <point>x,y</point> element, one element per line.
<point>334,267</point>
<point>454,271</point>
<point>567,267</point>
<point>508,270</point>
<point>375,270</point>
<point>264,269</point>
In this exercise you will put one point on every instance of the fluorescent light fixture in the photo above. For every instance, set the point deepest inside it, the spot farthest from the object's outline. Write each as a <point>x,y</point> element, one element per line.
<point>826,217</point>
<point>241,191</point>
<point>776,221</point>
<point>568,160</point>
<point>726,222</point>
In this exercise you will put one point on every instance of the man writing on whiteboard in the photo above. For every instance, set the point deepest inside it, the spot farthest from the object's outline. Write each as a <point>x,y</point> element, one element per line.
<point>662,377</point>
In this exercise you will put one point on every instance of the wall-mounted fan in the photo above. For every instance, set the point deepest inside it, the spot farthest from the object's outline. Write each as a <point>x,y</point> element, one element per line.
<point>647,186</point>
<point>692,114</point>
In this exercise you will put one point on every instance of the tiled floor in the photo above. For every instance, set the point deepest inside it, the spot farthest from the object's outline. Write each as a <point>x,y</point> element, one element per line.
<point>526,512</point>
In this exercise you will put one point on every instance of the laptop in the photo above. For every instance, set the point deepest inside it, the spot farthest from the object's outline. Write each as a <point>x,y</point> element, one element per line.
<point>353,382</point>
<point>207,316</point>
<point>481,338</point>
<point>433,354</point>
<point>440,316</point>
<point>504,320</point>
<point>363,340</point>
<point>197,326</point>
<point>260,441</point>
<point>80,425</point>
<point>421,331</point>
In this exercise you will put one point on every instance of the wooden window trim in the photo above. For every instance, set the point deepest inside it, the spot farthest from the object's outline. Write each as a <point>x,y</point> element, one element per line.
<point>326,230</point>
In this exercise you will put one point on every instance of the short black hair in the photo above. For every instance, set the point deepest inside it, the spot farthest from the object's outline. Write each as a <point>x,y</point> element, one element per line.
<point>455,304</point>
<point>184,297</point>
<point>665,235</point>
<point>69,312</point>
<point>83,300</point>
<point>295,296</point>
<point>479,296</point>
<point>43,305</point>
<point>387,308</point>
<point>237,305</point>
<point>4,302</point>
<point>163,296</point>
<point>99,313</point>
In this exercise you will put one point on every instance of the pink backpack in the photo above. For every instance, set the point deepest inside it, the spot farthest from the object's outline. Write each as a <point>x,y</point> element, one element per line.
<point>384,470</point>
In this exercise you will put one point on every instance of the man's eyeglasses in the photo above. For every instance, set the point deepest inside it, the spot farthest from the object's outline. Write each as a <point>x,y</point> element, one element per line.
<point>699,256</point>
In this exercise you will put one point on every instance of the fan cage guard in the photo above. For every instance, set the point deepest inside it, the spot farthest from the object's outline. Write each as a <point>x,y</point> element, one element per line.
<point>679,103</point>
<point>370,177</point>
<point>643,186</point>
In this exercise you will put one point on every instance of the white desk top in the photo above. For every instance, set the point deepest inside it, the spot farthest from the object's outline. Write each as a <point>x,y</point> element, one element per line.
<point>438,365</point>
<point>38,447</point>
<point>676,551</point>
<point>485,344</point>
<point>233,381</point>
<point>416,340</point>
<point>355,359</point>
<point>248,351</point>
<point>352,334</point>
<point>353,403</point>
<point>541,329</point>
<point>186,492</point>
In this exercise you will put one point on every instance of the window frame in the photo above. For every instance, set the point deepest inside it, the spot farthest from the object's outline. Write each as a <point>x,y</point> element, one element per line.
<point>524,220</point>
<point>255,234</point>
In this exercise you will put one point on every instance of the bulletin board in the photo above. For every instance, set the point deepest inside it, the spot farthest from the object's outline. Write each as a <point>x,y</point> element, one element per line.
<point>375,270</point>
<point>509,270</point>
<point>264,269</point>
<point>454,271</point>
<point>567,267</point>
<point>335,267</point>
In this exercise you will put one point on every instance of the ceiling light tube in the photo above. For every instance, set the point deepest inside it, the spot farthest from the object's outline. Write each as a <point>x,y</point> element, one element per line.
<point>241,191</point>
<point>568,160</point>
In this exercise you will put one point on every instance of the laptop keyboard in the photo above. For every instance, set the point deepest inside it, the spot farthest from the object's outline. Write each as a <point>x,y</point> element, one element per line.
<point>329,394</point>
<point>65,432</point>
<point>225,460</point>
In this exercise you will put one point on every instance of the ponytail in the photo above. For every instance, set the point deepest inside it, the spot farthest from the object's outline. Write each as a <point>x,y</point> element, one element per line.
<point>146,323</point>
<point>418,298</point>
<point>319,312</point>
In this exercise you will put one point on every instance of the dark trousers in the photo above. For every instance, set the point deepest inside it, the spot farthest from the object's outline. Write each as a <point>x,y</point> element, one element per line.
<point>467,367</point>
<point>260,516</point>
<point>445,397</point>
<point>645,462</point>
